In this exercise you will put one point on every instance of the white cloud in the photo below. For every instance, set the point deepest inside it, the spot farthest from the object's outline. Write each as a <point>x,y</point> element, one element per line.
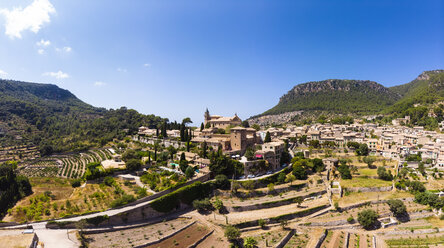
<point>66,49</point>
<point>41,51</point>
<point>122,70</point>
<point>99,84</point>
<point>147,65</point>
<point>3,73</point>
<point>58,75</point>
<point>43,43</point>
<point>32,17</point>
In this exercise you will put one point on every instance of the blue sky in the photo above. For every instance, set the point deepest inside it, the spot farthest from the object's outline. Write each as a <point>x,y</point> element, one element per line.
<point>175,58</point>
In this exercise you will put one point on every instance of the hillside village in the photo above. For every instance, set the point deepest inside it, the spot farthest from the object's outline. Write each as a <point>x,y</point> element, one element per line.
<point>316,185</point>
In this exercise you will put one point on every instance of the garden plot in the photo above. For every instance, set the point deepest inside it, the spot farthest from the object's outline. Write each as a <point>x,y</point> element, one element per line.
<point>41,168</point>
<point>334,239</point>
<point>424,240</point>
<point>298,241</point>
<point>360,240</point>
<point>267,238</point>
<point>135,236</point>
<point>380,208</point>
<point>184,238</point>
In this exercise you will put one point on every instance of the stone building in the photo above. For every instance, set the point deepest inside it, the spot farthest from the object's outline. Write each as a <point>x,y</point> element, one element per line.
<point>220,121</point>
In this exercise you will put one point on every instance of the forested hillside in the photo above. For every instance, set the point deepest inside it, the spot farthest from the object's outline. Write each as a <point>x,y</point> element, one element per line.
<point>57,121</point>
<point>422,99</point>
<point>336,96</point>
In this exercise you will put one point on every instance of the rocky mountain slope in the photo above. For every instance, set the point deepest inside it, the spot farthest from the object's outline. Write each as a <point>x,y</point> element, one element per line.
<point>360,97</point>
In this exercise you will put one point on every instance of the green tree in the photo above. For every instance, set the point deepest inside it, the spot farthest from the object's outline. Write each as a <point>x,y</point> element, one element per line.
<point>369,161</point>
<point>189,172</point>
<point>299,172</point>
<point>384,174</point>
<point>221,182</point>
<point>290,178</point>
<point>245,124</point>
<point>362,150</point>
<point>204,149</point>
<point>345,172</point>
<point>267,137</point>
<point>133,164</point>
<point>367,218</point>
<point>397,207</point>
<point>201,126</point>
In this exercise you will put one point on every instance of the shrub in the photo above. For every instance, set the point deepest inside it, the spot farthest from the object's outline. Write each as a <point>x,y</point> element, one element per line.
<point>232,233</point>
<point>109,181</point>
<point>222,182</point>
<point>218,204</point>
<point>97,219</point>
<point>123,200</point>
<point>203,205</point>
<point>250,242</point>
<point>76,183</point>
<point>262,223</point>
<point>350,219</point>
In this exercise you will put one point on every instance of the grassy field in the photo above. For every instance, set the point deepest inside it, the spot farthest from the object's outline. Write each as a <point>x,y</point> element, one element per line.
<point>353,198</point>
<point>367,172</point>
<point>364,182</point>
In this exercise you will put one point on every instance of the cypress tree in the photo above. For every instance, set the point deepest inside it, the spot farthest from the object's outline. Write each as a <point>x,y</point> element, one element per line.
<point>201,126</point>
<point>267,137</point>
<point>188,146</point>
<point>204,149</point>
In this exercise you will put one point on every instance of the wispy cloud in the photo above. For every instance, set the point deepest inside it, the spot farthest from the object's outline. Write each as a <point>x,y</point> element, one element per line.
<point>122,70</point>
<point>32,17</point>
<point>99,84</point>
<point>43,43</point>
<point>59,74</point>
<point>147,65</point>
<point>3,73</point>
<point>41,51</point>
<point>66,49</point>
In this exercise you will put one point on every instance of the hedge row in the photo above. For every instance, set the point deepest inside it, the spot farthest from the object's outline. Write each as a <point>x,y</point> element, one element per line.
<point>186,195</point>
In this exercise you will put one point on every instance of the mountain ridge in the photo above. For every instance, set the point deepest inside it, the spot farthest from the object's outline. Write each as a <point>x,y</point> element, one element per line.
<point>359,97</point>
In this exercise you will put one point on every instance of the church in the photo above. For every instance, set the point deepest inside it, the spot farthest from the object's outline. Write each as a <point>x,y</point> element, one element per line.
<point>220,121</point>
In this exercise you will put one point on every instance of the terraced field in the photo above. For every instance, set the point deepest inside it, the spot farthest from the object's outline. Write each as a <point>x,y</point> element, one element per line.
<point>74,166</point>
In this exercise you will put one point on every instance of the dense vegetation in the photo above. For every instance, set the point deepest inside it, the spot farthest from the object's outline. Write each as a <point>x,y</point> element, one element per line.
<point>13,187</point>
<point>337,96</point>
<point>57,121</point>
